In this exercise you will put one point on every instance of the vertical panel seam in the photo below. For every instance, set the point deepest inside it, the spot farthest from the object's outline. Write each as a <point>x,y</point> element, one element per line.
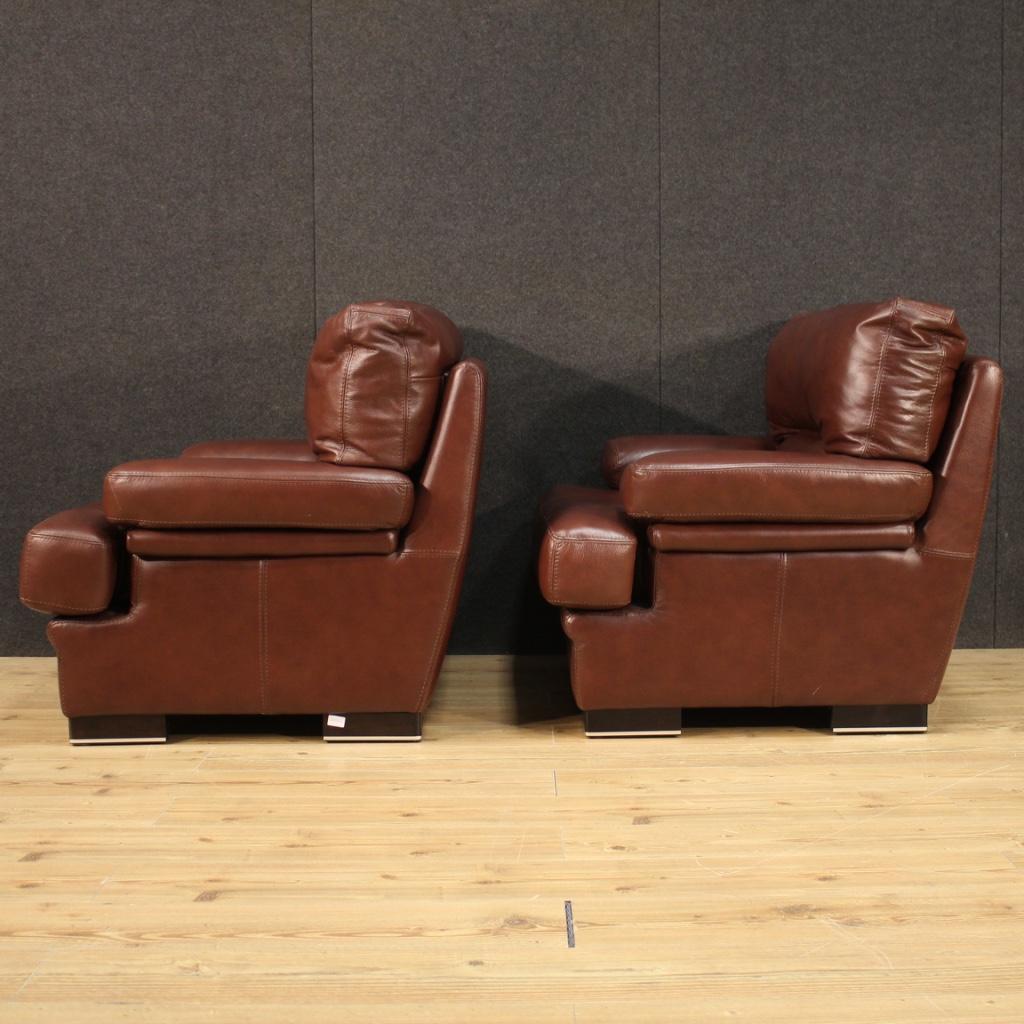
<point>312,161</point>
<point>780,601</point>
<point>999,332</point>
<point>262,653</point>
<point>661,416</point>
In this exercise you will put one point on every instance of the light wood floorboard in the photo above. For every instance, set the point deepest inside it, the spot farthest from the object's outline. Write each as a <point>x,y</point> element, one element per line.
<point>769,873</point>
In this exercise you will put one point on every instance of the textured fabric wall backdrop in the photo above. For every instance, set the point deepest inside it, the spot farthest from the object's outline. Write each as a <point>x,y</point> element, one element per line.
<point>618,202</point>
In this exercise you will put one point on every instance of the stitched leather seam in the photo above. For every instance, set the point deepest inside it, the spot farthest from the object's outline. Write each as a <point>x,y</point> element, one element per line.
<point>262,652</point>
<point>52,606</point>
<point>390,313</point>
<point>652,471</point>
<point>869,440</point>
<point>343,395</point>
<point>782,517</point>
<point>935,392</point>
<point>274,524</point>
<point>251,553</point>
<point>405,403</point>
<point>946,554</point>
<point>780,597</point>
<point>111,492</point>
<point>320,479</point>
<point>931,408</point>
<point>474,460</point>
<point>32,535</point>
<point>60,684</point>
<point>566,538</point>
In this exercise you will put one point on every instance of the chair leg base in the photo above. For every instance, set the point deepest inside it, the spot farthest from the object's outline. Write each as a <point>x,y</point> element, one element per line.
<point>633,722</point>
<point>879,718</point>
<point>101,730</point>
<point>374,727</point>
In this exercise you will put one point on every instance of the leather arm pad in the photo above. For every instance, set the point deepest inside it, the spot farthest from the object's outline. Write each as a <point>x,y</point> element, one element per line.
<point>774,486</point>
<point>620,452</point>
<point>188,492</point>
<point>69,563</point>
<point>588,552</point>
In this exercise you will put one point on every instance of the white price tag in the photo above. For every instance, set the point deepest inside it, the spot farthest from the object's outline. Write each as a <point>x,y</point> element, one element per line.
<point>336,721</point>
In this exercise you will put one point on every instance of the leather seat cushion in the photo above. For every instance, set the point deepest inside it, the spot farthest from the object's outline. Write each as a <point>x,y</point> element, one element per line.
<point>620,452</point>
<point>188,492</point>
<point>784,487</point>
<point>588,551</point>
<point>69,563</point>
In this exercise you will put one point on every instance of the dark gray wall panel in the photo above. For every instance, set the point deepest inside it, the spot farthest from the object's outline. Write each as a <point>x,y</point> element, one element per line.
<point>815,153</point>
<point>156,205</point>
<point>1010,589</point>
<point>499,161</point>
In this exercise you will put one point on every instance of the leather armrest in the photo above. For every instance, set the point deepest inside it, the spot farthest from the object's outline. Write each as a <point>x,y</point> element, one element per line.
<point>69,563</point>
<point>195,492</point>
<point>273,448</point>
<point>774,486</point>
<point>588,551</point>
<point>620,452</point>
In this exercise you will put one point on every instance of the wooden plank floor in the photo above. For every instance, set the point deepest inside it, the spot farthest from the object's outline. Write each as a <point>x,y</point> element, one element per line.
<point>769,873</point>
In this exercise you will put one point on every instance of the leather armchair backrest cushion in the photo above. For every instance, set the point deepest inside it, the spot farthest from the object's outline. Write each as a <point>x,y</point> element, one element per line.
<point>373,382</point>
<point>873,380</point>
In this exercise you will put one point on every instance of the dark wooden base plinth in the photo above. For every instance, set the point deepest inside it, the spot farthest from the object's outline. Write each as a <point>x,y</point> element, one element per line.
<point>633,722</point>
<point>374,726</point>
<point>97,730</point>
<point>880,718</point>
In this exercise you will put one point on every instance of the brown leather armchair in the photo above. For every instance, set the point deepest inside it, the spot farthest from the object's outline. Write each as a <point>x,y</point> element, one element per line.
<point>280,577</point>
<point>826,563</point>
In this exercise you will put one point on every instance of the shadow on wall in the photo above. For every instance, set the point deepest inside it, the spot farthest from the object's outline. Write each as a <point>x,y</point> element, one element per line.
<point>547,424</point>
<point>715,385</point>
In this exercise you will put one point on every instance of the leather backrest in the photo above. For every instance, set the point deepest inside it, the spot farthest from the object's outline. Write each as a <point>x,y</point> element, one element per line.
<point>442,516</point>
<point>870,379</point>
<point>373,382</point>
<point>963,462</point>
